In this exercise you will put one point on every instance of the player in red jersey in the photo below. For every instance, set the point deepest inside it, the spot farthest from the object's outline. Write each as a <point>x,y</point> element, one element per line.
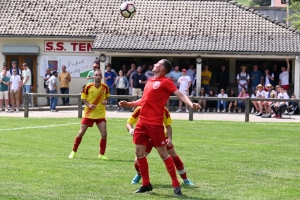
<point>94,96</point>
<point>150,124</point>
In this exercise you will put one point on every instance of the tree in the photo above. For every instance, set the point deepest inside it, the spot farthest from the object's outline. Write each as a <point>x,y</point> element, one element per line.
<point>294,18</point>
<point>260,2</point>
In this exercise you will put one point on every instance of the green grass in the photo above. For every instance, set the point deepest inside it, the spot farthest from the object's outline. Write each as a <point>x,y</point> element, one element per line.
<point>225,160</point>
<point>244,2</point>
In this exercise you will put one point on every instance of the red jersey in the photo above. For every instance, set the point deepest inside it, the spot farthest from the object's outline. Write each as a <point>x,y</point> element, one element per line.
<point>156,93</point>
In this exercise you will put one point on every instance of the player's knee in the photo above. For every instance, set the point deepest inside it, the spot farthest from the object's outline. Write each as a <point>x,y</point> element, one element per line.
<point>104,135</point>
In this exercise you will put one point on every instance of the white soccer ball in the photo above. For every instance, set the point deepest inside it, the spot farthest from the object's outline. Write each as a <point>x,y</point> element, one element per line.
<point>127,9</point>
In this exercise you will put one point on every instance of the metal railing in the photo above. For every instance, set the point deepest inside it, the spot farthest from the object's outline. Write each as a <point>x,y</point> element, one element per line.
<point>130,97</point>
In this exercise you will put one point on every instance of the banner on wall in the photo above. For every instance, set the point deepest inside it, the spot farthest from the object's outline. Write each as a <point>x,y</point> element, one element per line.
<point>77,66</point>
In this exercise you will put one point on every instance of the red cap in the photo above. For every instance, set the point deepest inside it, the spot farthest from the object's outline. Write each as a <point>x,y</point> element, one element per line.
<point>183,70</point>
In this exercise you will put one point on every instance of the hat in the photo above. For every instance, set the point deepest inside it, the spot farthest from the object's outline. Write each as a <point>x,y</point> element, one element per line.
<point>260,85</point>
<point>243,66</point>
<point>14,62</point>
<point>183,70</point>
<point>270,86</point>
<point>54,72</point>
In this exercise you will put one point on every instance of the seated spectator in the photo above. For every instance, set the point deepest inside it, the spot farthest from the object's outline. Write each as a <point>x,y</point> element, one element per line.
<point>253,106</point>
<point>211,104</point>
<point>277,107</point>
<point>202,103</point>
<point>241,103</point>
<point>259,104</point>
<point>267,104</point>
<point>222,102</point>
<point>293,106</point>
<point>232,103</point>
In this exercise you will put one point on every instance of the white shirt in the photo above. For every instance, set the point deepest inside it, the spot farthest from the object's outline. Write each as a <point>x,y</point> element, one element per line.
<point>15,80</point>
<point>52,82</point>
<point>261,94</point>
<point>268,80</point>
<point>284,77</point>
<point>184,82</point>
<point>121,84</point>
<point>26,73</point>
<point>8,75</point>
<point>243,78</point>
<point>149,74</point>
<point>224,95</point>
<point>47,76</point>
<point>283,96</point>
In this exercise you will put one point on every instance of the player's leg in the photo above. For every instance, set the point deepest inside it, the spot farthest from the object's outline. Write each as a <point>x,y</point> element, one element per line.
<point>102,128</point>
<point>136,179</point>
<point>78,139</point>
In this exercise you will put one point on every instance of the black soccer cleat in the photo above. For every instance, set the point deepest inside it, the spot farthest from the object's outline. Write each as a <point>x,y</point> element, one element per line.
<point>177,191</point>
<point>143,189</point>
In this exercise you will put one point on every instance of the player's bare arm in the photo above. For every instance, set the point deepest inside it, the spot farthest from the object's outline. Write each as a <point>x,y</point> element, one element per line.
<point>91,106</point>
<point>130,104</point>
<point>186,100</point>
<point>169,134</point>
<point>104,102</point>
<point>130,128</point>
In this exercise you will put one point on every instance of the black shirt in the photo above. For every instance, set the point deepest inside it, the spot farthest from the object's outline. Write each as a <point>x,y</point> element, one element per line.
<point>136,77</point>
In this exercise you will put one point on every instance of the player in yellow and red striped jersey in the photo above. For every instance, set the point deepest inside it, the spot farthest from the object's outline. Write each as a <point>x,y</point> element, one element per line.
<point>168,135</point>
<point>94,96</point>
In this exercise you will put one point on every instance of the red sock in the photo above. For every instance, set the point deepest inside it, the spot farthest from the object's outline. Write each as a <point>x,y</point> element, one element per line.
<point>136,166</point>
<point>143,166</point>
<point>172,171</point>
<point>180,167</point>
<point>76,143</point>
<point>102,146</point>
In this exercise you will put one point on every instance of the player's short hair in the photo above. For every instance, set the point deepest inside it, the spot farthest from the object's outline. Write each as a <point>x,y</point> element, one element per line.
<point>168,65</point>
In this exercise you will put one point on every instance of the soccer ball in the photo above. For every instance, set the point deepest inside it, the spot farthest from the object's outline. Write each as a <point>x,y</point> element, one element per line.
<point>127,9</point>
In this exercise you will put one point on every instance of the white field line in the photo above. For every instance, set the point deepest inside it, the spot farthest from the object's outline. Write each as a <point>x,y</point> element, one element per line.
<point>35,127</point>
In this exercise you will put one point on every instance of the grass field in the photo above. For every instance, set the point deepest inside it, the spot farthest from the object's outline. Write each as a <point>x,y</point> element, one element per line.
<point>225,160</point>
<point>244,2</point>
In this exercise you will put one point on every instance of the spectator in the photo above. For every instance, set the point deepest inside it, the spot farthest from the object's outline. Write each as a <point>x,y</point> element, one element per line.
<point>268,79</point>
<point>46,78</point>
<point>26,74</point>
<point>222,79</point>
<point>4,83</point>
<point>90,77</point>
<point>276,74</point>
<point>284,76</point>
<point>64,79</point>
<point>122,85</point>
<point>174,75</point>
<point>149,73</point>
<point>144,68</point>
<point>256,77</point>
<point>232,103</point>
<point>260,94</point>
<point>202,103</point>
<point>211,104</point>
<point>184,83</point>
<point>110,79</point>
<point>222,102</point>
<point>129,75</point>
<point>8,74</point>
<point>138,82</point>
<point>242,79</point>
<point>191,73</point>
<point>124,69</point>
<point>277,107</point>
<point>14,66</point>
<point>277,89</point>
<point>52,84</point>
<point>205,78</point>
<point>254,107</point>
<point>267,104</point>
<point>293,107</point>
<point>15,85</point>
<point>241,103</point>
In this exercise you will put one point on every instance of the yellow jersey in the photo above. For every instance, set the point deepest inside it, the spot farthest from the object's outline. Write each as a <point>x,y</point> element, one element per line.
<point>205,74</point>
<point>95,96</point>
<point>135,116</point>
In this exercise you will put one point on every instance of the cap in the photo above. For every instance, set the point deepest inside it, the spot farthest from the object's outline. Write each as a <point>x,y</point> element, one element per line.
<point>183,70</point>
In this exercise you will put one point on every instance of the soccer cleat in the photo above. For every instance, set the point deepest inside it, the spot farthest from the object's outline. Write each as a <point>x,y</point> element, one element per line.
<point>102,157</point>
<point>143,189</point>
<point>188,182</point>
<point>72,154</point>
<point>136,179</point>
<point>177,191</point>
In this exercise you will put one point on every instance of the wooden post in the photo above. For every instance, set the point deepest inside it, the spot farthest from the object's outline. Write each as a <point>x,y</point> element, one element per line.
<point>79,106</point>
<point>247,106</point>
<point>191,110</point>
<point>26,106</point>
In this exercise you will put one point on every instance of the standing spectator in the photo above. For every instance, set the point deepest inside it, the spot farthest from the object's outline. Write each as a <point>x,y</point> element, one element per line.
<point>202,103</point>
<point>268,79</point>
<point>222,102</point>
<point>8,74</point>
<point>124,69</point>
<point>277,107</point>
<point>223,79</point>
<point>129,75</point>
<point>232,103</point>
<point>242,78</point>
<point>15,85</point>
<point>53,90</point>
<point>26,74</point>
<point>205,78</point>
<point>190,72</point>
<point>110,79</point>
<point>149,73</point>
<point>138,82</point>
<point>184,83</point>
<point>210,103</point>
<point>14,67</point>
<point>90,77</point>
<point>276,74</point>
<point>95,97</point>
<point>256,77</point>
<point>144,68</point>
<point>64,79</point>
<point>4,85</point>
<point>46,78</point>
<point>259,104</point>
<point>111,69</point>
<point>284,76</point>
<point>174,75</point>
<point>241,103</point>
<point>121,85</point>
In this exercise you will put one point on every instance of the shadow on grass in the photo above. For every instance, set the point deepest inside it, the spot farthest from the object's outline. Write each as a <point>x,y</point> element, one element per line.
<point>109,160</point>
<point>179,197</point>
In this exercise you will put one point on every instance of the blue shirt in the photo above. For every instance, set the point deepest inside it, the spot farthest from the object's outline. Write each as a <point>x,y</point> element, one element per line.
<point>110,81</point>
<point>175,76</point>
<point>258,74</point>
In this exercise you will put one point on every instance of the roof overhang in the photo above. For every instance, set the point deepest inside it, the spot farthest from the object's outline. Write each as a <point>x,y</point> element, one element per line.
<point>21,50</point>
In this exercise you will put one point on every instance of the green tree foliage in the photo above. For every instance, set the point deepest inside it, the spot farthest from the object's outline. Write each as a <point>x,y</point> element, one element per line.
<point>295,16</point>
<point>260,3</point>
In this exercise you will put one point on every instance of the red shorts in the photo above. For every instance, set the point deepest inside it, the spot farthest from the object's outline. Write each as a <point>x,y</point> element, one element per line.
<point>144,132</point>
<point>90,122</point>
<point>286,87</point>
<point>150,146</point>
